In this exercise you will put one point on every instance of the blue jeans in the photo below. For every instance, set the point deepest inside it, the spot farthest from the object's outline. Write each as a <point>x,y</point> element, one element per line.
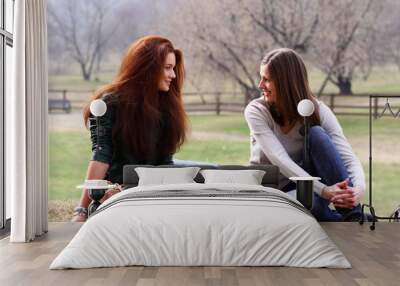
<point>327,164</point>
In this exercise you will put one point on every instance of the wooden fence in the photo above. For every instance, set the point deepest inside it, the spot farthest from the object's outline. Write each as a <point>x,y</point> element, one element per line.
<point>358,104</point>
<point>235,102</point>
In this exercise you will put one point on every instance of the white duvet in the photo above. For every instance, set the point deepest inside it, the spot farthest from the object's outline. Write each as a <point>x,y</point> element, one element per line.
<point>201,224</point>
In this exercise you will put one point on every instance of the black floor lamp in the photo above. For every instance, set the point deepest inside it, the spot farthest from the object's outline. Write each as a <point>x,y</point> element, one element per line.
<point>304,185</point>
<point>98,108</point>
<point>396,213</point>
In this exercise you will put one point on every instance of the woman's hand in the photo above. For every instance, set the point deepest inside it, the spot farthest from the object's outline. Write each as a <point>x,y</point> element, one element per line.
<point>341,195</point>
<point>110,192</point>
<point>349,201</point>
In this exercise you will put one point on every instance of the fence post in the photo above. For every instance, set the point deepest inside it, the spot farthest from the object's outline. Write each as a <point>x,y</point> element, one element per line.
<point>376,107</point>
<point>332,102</point>
<point>218,103</point>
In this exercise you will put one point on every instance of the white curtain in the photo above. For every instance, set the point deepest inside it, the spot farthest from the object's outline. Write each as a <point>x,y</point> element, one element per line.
<point>26,123</point>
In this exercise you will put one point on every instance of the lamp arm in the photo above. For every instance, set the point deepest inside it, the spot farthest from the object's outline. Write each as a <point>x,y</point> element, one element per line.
<point>306,144</point>
<point>97,134</point>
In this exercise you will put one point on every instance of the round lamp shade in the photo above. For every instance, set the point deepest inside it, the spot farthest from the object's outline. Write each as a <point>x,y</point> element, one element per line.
<point>305,107</point>
<point>98,107</point>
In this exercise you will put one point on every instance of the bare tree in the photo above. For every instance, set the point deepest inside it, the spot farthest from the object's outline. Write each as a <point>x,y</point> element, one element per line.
<point>290,24</point>
<point>338,37</point>
<point>345,42</point>
<point>389,36</point>
<point>231,37</point>
<point>85,28</point>
<point>57,53</point>
<point>394,49</point>
<point>217,36</point>
<point>136,18</point>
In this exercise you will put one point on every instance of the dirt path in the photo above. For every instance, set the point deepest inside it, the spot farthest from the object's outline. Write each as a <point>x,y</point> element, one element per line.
<point>384,151</point>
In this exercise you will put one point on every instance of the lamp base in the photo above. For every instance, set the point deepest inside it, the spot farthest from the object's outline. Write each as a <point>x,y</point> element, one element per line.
<point>394,216</point>
<point>96,195</point>
<point>304,193</point>
<point>304,190</point>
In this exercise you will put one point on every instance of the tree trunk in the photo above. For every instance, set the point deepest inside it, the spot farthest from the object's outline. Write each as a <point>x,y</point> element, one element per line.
<point>344,85</point>
<point>85,74</point>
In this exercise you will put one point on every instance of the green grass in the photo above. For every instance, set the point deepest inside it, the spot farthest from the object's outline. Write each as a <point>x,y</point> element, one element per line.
<point>383,79</point>
<point>229,124</point>
<point>213,151</point>
<point>76,83</point>
<point>352,125</point>
<point>359,126</point>
<point>70,154</point>
<point>385,186</point>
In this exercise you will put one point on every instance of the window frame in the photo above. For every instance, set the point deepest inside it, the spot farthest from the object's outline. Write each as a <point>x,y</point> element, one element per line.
<point>6,39</point>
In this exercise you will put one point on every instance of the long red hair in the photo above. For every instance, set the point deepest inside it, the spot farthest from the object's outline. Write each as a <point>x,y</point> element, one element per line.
<point>140,106</point>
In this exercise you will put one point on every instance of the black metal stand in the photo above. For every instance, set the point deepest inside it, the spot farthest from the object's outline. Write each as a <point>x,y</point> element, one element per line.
<point>306,144</point>
<point>95,195</point>
<point>98,133</point>
<point>305,188</point>
<point>304,193</point>
<point>396,213</point>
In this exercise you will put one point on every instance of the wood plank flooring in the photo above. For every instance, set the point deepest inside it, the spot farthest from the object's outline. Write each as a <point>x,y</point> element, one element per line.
<point>374,255</point>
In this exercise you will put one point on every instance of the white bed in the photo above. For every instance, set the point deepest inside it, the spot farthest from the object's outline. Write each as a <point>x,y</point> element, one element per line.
<point>201,224</point>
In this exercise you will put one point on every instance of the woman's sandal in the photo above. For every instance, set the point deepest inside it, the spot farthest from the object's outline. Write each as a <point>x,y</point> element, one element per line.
<point>80,214</point>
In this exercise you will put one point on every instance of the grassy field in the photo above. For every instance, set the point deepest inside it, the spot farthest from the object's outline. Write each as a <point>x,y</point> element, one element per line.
<point>353,126</point>
<point>385,79</point>
<point>70,153</point>
<point>224,139</point>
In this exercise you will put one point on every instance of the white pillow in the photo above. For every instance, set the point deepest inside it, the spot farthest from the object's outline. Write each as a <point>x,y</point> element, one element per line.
<point>248,177</point>
<point>165,176</point>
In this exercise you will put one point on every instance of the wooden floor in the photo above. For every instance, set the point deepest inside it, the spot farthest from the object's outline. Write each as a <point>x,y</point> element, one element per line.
<point>374,255</point>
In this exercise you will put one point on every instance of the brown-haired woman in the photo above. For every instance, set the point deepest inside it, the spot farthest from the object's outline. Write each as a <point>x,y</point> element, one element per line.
<point>145,121</point>
<point>276,138</point>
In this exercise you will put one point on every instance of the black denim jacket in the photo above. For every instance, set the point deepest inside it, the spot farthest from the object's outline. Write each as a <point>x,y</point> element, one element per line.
<point>118,155</point>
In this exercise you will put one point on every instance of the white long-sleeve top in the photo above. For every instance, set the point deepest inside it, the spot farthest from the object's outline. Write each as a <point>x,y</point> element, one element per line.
<point>269,145</point>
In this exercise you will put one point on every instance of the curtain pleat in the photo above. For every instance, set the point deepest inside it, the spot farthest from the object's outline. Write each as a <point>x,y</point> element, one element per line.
<point>15,159</point>
<point>29,159</point>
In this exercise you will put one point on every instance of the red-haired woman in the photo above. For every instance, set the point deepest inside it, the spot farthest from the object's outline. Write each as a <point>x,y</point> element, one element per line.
<point>145,122</point>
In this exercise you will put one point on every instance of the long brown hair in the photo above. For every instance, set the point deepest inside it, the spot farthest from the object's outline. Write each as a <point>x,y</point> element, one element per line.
<point>289,75</point>
<point>140,106</point>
